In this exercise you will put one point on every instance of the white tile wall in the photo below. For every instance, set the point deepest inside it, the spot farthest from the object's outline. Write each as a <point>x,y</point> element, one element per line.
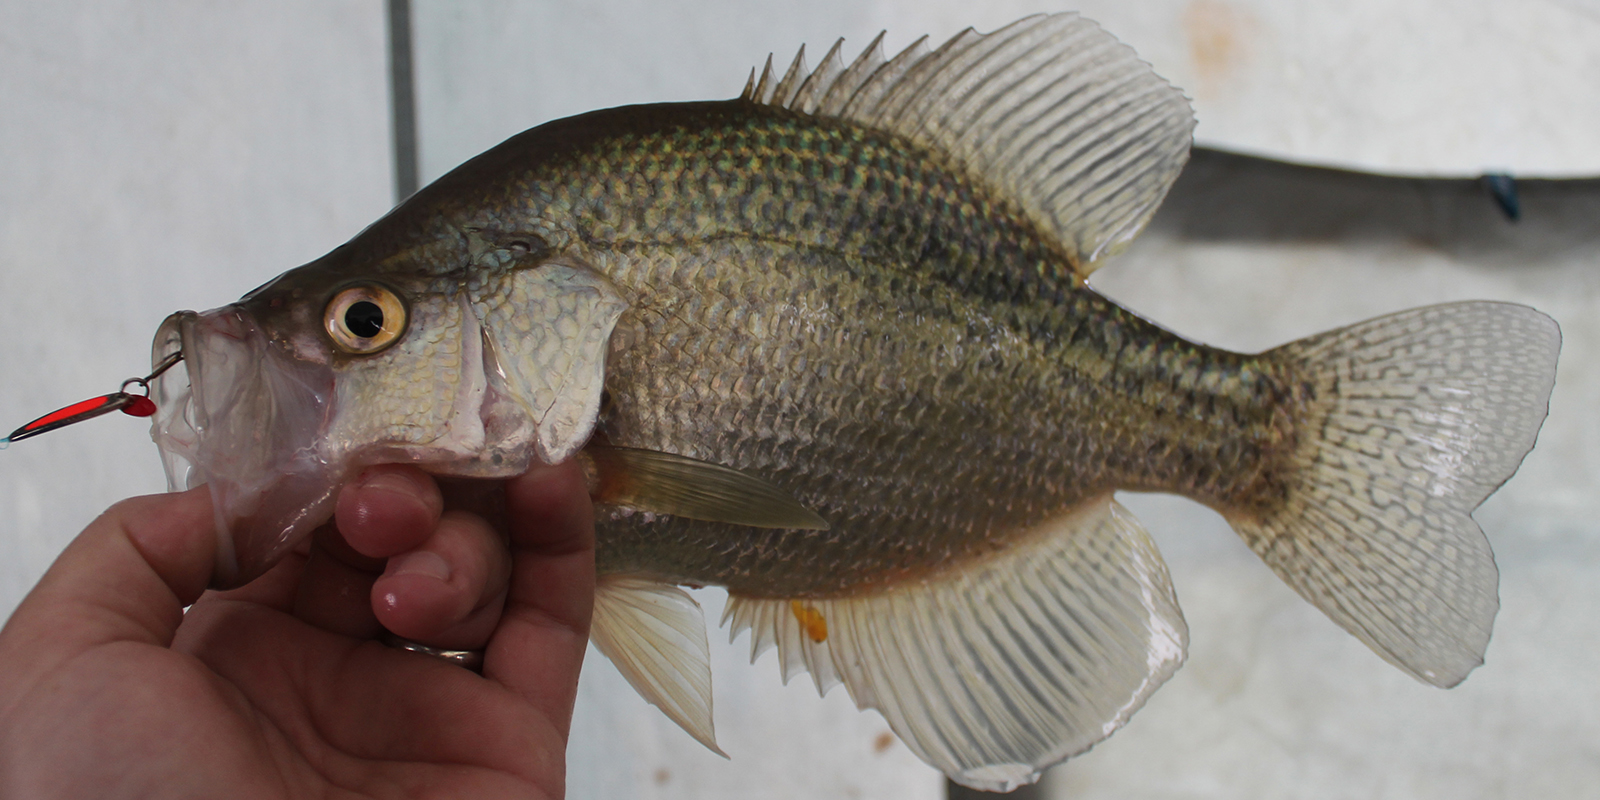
<point>1432,87</point>
<point>1276,701</point>
<point>158,156</point>
<point>174,155</point>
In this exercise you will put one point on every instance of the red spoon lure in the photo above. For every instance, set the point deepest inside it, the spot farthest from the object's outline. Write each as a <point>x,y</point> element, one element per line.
<point>138,405</point>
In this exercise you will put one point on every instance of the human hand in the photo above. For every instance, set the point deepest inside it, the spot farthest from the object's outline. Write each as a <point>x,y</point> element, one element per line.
<point>279,689</point>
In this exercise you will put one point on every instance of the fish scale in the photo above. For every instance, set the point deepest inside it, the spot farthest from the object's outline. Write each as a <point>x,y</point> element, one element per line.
<point>831,345</point>
<point>895,203</point>
<point>973,396</point>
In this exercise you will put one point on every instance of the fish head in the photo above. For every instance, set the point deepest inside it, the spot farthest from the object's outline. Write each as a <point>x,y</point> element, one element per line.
<point>473,367</point>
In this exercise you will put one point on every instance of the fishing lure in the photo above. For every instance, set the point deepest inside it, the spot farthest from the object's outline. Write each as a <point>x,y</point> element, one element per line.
<point>134,405</point>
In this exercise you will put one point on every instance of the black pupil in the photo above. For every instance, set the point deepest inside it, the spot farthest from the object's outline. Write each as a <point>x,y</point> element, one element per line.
<point>364,319</point>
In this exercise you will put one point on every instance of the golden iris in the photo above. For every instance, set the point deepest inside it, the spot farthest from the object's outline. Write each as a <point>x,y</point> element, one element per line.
<point>365,319</point>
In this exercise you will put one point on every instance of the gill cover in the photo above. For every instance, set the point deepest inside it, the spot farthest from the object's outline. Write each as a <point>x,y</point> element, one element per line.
<point>275,412</point>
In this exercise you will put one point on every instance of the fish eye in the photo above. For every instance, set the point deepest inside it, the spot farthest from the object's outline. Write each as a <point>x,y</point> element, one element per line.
<point>365,319</point>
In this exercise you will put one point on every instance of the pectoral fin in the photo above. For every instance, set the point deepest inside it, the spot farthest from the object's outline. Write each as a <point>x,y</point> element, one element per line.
<point>665,483</point>
<point>655,634</point>
<point>995,671</point>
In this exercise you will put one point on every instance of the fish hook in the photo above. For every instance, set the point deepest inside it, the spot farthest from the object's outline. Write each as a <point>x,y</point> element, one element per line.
<point>137,405</point>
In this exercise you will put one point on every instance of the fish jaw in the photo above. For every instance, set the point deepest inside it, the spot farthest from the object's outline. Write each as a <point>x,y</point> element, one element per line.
<point>275,426</point>
<point>244,417</point>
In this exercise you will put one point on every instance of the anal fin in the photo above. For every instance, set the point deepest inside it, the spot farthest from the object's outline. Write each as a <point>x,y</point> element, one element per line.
<point>655,634</point>
<point>996,671</point>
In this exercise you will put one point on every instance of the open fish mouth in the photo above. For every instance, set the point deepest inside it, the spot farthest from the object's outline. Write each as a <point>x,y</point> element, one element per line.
<point>247,418</point>
<point>275,427</point>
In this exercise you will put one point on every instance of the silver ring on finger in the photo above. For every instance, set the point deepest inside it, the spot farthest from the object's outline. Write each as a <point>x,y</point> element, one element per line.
<point>467,659</point>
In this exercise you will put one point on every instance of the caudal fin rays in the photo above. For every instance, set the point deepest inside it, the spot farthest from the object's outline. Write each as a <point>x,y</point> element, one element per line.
<point>1416,418</point>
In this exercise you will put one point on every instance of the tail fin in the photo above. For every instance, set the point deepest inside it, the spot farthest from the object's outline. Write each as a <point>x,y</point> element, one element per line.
<point>1418,417</point>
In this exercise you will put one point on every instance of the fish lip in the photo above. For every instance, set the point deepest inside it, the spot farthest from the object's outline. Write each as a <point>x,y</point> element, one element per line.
<point>172,427</point>
<point>245,416</point>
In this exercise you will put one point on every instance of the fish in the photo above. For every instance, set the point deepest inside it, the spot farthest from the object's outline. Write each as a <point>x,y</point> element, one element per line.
<point>832,345</point>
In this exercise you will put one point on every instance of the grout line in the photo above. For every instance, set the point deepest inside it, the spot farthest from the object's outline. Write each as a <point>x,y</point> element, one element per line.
<point>402,99</point>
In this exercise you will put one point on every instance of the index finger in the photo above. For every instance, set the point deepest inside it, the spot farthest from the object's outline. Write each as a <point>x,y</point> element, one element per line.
<point>538,647</point>
<point>126,578</point>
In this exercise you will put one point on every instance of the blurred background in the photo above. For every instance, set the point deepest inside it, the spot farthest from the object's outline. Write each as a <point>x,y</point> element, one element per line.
<point>174,154</point>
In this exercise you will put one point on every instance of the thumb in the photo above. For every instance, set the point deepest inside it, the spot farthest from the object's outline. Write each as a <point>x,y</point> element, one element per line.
<point>127,577</point>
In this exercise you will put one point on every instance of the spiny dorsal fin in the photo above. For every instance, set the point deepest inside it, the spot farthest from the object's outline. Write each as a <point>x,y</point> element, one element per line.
<point>819,80</point>
<point>667,483</point>
<point>1051,111</point>
<point>994,671</point>
<point>786,88</point>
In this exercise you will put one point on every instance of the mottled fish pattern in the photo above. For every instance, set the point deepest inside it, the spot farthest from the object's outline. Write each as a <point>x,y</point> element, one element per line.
<point>832,345</point>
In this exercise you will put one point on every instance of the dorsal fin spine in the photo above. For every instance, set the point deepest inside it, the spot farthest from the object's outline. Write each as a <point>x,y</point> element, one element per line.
<point>869,97</point>
<point>749,92</point>
<point>1050,112</point>
<point>763,91</point>
<point>784,94</point>
<point>844,90</point>
<point>819,81</point>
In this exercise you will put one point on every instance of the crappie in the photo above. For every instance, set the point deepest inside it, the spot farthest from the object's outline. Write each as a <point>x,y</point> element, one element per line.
<point>831,345</point>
